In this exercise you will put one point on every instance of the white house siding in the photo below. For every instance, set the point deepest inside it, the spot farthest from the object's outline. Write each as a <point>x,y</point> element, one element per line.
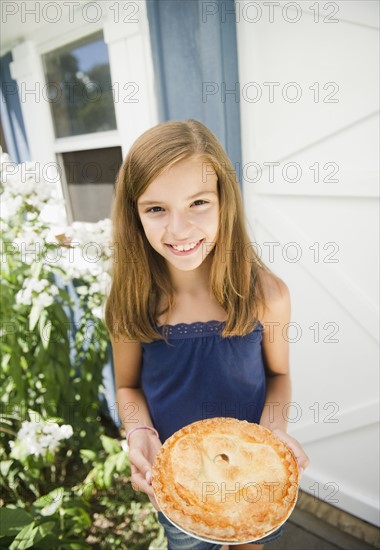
<point>335,363</point>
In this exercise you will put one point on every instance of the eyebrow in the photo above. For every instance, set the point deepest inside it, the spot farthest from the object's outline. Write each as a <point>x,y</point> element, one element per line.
<point>206,192</point>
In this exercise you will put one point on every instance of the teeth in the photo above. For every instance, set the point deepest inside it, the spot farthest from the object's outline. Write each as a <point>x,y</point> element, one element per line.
<point>185,247</point>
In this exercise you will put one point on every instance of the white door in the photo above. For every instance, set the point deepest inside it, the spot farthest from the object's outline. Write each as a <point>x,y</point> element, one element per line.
<point>309,109</point>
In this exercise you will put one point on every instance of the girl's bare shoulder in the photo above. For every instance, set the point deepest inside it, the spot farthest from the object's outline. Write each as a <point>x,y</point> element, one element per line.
<point>274,287</point>
<point>276,295</point>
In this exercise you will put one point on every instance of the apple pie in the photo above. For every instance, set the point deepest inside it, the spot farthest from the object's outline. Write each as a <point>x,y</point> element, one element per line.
<point>225,479</point>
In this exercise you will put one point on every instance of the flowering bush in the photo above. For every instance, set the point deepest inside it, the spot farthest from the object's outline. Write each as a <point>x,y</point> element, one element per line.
<point>39,439</point>
<point>64,483</point>
<point>52,355</point>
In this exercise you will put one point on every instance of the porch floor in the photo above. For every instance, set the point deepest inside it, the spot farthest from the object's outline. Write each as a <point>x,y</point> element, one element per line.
<point>305,531</point>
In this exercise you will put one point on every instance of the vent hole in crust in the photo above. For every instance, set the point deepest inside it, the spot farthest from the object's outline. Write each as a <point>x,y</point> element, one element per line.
<point>221,458</point>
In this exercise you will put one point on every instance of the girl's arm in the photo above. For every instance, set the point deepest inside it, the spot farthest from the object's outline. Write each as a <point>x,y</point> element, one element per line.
<point>133,412</point>
<point>276,354</point>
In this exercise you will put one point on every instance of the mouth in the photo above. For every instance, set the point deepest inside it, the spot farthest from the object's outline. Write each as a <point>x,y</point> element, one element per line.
<point>184,249</point>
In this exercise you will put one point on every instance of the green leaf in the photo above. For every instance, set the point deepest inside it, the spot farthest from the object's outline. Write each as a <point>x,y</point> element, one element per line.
<point>5,360</point>
<point>110,445</point>
<point>35,269</point>
<point>34,315</point>
<point>44,326</point>
<point>109,468</point>
<point>60,314</point>
<point>51,508</point>
<point>87,455</point>
<point>51,502</point>
<point>81,519</point>
<point>5,466</point>
<point>25,538</point>
<point>46,528</point>
<point>12,519</point>
<point>122,462</point>
<point>98,474</point>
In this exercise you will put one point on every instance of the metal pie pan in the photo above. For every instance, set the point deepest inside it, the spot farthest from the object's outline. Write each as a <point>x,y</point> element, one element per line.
<point>230,542</point>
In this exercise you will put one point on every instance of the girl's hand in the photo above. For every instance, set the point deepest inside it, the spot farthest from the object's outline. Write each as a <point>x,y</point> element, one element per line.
<point>301,456</point>
<point>143,447</point>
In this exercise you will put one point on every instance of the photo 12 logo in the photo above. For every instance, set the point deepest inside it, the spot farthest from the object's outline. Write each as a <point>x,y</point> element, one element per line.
<point>250,491</point>
<point>30,11</point>
<point>269,12</point>
<point>271,91</point>
<point>89,91</point>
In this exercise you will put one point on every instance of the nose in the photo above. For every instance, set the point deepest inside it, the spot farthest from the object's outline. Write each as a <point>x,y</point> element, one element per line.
<point>178,225</point>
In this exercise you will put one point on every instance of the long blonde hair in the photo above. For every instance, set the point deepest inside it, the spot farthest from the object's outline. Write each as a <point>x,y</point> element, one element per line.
<point>140,276</point>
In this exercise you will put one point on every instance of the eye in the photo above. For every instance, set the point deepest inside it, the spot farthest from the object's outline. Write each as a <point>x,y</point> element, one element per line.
<point>199,202</point>
<point>154,209</point>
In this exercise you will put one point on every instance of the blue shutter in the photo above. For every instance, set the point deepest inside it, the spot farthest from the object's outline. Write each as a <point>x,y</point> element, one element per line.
<point>11,116</point>
<point>195,62</point>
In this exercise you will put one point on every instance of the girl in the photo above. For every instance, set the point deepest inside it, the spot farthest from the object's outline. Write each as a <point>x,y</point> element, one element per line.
<point>195,317</point>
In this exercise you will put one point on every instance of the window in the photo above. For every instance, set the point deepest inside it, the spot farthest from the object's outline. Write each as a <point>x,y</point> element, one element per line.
<point>79,87</point>
<point>90,177</point>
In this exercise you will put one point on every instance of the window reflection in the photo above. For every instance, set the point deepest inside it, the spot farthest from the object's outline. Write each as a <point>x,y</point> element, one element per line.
<point>79,87</point>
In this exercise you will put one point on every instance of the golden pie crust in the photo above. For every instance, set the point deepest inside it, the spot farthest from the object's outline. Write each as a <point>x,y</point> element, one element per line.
<point>225,479</point>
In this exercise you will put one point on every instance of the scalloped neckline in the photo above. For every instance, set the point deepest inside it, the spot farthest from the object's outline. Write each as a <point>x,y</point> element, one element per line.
<point>197,329</point>
<point>212,322</point>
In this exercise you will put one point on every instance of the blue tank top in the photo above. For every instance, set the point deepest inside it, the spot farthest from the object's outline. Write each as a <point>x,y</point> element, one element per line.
<point>198,374</point>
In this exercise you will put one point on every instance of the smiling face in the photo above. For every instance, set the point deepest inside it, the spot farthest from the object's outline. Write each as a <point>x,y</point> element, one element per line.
<point>179,212</point>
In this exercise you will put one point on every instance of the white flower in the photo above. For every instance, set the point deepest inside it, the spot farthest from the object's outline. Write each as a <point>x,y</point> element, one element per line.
<point>24,297</point>
<point>39,438</point>
<point>89,256</point>
<point>47,442</point>
<point>66,431</point>
<point>37,291</point>
<point>94,288</point>
<point>10,206</point>
<point>4,157</point>
<point>26,429</point>
<point>43,300</point>
<point>98,312</point>
<point>38,285</point>
<point>24,186</point>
